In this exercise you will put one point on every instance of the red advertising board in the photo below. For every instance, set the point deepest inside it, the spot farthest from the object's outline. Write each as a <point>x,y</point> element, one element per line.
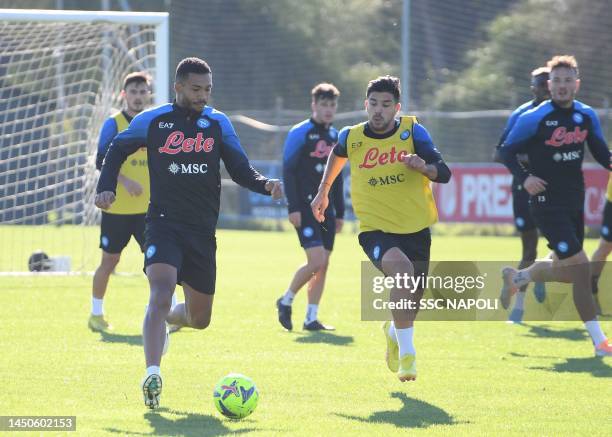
<point>481,193</point>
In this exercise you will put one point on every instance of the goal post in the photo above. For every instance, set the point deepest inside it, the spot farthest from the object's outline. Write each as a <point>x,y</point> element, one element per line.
<point>60,78</point>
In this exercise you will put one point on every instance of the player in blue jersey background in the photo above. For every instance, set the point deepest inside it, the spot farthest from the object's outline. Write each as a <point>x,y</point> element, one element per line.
<point>307,147</point>
<point>554,135</point>
<point>520,198</point>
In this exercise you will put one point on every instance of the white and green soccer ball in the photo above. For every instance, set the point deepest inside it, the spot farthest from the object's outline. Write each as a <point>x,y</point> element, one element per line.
<point>235,396</point>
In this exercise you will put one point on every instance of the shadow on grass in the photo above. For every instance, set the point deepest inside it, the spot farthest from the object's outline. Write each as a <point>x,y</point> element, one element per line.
<point>325,337</point>
<point>185,424</point>
<point>545,331</point>
<point>111,337</point>
<point>413,414</point>
<point>593,365</point>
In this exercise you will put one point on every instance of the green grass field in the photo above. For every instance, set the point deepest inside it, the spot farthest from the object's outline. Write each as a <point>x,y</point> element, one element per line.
<point>486,378</point>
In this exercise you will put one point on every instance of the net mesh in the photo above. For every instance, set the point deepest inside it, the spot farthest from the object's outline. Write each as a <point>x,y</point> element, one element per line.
<point>58,83</point>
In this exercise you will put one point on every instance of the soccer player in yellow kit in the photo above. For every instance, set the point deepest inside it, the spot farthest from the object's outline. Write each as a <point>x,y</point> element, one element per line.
<point>393,160</point>
<point>598,260</point>
<point>126,217</point>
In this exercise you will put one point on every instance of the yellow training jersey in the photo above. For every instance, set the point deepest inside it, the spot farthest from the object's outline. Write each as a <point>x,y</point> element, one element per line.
<point>386,195</point>
<point>135,168</point>
<point>609,193</point>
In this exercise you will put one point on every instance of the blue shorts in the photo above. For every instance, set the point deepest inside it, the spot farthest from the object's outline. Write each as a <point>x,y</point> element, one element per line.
<point>562,227</point>
<point>191,251</point>
<point>313,234</point>
<point>416,246</point>
<point>117,229</point>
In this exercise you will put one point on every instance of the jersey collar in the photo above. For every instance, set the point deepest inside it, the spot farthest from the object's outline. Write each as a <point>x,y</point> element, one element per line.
<point>369,133</point>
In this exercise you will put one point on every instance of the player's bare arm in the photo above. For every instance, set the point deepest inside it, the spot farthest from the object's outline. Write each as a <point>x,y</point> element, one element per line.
<point>131,186</point>
<point>333,168</point>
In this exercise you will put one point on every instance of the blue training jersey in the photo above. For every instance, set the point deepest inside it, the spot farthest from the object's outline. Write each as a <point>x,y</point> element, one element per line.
<point>184,150</point>
<point>512,120</point>
<point>307,148</point>
<point>553,139</point>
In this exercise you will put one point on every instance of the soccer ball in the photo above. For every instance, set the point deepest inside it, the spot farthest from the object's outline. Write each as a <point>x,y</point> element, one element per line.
<point>235,396</point>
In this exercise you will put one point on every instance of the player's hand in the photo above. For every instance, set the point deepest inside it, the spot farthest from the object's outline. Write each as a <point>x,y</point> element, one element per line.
<point>534,185</point>
<point>132,187</point>
<point>339,225</point>
<point>415,162</point>
<point>104,199</point>
<point>295,218</point>
<point>275,188</point>
<point>319,205</point>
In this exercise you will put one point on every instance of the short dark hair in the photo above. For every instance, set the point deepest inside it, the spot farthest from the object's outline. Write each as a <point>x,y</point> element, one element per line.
<point>324,90</point>
<point>540,71</point>
<point>385,84</point>
<point>563,61</point>
<point>191,65</point>
<point>136,77</point>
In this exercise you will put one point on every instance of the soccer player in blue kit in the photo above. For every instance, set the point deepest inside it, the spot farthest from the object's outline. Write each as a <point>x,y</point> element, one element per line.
<point>553,136</point>
<point>520,198</point>
<point>185,140</point>
<point>307,148</point>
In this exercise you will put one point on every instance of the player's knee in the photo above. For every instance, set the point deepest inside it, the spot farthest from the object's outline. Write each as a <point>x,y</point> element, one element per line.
<point>160,301</point>
<point>322,264</point>
<point>394,261</point>
<point>317,262</point>
<point>110,261</point>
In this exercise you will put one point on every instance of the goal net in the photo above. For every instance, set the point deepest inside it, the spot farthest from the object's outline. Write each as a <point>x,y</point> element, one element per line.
<point>60,78</point>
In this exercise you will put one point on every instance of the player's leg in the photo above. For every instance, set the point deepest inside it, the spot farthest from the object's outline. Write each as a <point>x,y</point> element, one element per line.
<point>114,236</point>
<point>163,261</point>
<point>526,228</point>
<point>554,225</point>
<point>317,282</point>
<point>311,240</point>
<point>137,227</point>
<point>598,261</point>
<point>315,291</point>
<point>564,231</point>
<point>315,261</point>
<point>395,262</point>
<point>529,241</point>
<point>599,257</point>
<point>198,307</point>
<point>376,244</point>
<point>389,253</point>
<point>162,281</point>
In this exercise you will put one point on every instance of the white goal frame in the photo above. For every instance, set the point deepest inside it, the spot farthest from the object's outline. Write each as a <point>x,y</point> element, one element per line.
<point>159,19</point>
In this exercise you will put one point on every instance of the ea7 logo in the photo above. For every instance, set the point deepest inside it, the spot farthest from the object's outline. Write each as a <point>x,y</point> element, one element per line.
<point>164,125</point>
<point>552,123</point>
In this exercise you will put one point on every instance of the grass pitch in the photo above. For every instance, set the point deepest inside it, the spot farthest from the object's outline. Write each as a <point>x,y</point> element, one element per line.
<point>485,378</point>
